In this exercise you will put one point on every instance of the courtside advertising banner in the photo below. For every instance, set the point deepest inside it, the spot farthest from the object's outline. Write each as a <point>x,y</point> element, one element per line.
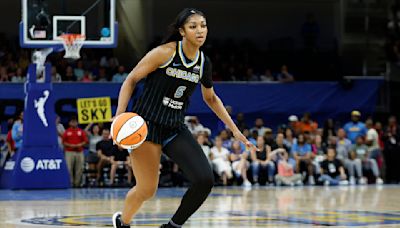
<point>94,110</point>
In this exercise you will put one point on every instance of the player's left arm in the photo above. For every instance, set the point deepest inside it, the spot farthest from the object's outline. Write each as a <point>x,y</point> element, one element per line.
<point>215,104</point>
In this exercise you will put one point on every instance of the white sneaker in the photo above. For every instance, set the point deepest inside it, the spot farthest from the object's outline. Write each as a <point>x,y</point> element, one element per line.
<point>344,182</point>
<point>246,183</point>
<point>117,221</point>
<point>327,183</point>
<point>352,180</point>
<point>362,181</point>
<point>299,183</point>
<point>379,181</point>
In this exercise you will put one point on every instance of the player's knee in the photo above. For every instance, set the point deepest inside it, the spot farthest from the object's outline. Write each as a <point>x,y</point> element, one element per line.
<point>146,193</point>
<point>205,182</point>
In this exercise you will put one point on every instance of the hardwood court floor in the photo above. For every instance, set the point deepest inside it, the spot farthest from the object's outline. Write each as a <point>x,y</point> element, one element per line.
<point>361,206</point>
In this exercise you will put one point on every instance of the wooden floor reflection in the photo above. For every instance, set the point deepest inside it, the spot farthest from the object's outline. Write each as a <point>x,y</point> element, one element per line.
<point>362,206</point>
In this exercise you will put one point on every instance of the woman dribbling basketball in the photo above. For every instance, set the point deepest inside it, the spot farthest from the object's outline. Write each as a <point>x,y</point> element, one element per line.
<point>173,71</point>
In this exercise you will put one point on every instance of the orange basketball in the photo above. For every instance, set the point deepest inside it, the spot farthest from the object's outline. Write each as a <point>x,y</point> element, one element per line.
<point>129,130</point>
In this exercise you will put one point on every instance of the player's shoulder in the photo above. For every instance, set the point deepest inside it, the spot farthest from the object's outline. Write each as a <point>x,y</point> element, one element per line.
<point>162,53</point>
<point>167,49</point>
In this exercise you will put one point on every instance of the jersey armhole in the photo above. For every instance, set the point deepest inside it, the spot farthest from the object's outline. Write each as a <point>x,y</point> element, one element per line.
<point>168,61</point>
<point>202,65</point>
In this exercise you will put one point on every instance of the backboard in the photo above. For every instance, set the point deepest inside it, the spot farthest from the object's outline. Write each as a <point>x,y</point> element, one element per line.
<point>45,20</point>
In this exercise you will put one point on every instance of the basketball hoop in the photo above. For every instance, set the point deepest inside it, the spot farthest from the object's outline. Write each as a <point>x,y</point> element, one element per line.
<point>72,44</point>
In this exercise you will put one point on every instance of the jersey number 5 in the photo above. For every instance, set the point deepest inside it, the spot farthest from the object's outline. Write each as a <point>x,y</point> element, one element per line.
<point>179,91</point>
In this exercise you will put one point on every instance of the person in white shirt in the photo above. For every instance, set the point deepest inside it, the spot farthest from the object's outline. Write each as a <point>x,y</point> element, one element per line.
<point>372,139</point>
<point>374,151</point>
<point>220,161</point>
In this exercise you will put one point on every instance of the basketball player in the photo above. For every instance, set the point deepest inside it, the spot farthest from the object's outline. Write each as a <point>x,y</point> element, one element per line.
<point>173,71</point>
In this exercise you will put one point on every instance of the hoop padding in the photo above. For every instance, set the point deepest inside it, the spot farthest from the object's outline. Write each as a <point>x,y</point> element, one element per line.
<point>72,44</point>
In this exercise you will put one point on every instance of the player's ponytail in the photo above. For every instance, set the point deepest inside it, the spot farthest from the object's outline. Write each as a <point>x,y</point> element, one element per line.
<point>173,29</point>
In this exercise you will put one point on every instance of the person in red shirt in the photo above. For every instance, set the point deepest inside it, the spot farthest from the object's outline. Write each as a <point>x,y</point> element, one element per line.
<point>74,139</point>
<point>10,145</point>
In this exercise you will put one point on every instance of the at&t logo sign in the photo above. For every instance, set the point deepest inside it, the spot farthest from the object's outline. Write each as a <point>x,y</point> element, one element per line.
<point>28,164</point>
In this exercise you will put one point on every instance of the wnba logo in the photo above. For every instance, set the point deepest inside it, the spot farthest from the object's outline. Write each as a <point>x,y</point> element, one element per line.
<point>27,164</point>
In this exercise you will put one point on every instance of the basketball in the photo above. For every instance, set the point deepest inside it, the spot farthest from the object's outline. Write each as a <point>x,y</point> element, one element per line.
<point>129,130</point>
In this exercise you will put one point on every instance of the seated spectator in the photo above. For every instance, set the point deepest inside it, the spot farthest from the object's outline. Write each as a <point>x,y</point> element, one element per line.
<point>104,153</point>
<point>4,74</point>
<point>355,128</point>
<point>232,75</point>
<point>332,171</point>
<point>319,152</point>
<point>87,77</point>
<point>284,75</point>
<point>294,124</point>
<point>259,127</point>
<point>269,138</point>
<point>17,131</point>
<point>286,173</point>
<point>290,140</point>
<point>261,161</point>
<point>18,77</point>
<point>267,76</point>
<point>302,153</point>
<point>79,71</point>
<point>23,60</point>
<point>69,75</point>
<point>120,76</point>
<point>249,136</point>
<point>102,75</point>
<point>318,146</point>
<point>360,152</point>
<point>193,124</point>
<point>226,139</point>
<point>280,144</point>
<point>307,125</point>
<point>240,165</point>
<point>120,159</point>
<point>250,76</point>
<point>220,161</point>
<point>343,150</point>
<point>207,132</point>
<point>55,76</point>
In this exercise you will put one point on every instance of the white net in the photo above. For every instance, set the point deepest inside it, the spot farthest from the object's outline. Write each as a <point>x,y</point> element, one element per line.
<point>72,45</point>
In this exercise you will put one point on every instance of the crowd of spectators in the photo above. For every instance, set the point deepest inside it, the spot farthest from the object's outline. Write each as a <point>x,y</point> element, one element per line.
<point>233,60</point>
<point>95,67</point>
<point>304,153</point>
<point>298,152</point>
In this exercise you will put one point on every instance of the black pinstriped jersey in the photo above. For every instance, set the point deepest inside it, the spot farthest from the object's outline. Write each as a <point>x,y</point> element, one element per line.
<point>167,90</point>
